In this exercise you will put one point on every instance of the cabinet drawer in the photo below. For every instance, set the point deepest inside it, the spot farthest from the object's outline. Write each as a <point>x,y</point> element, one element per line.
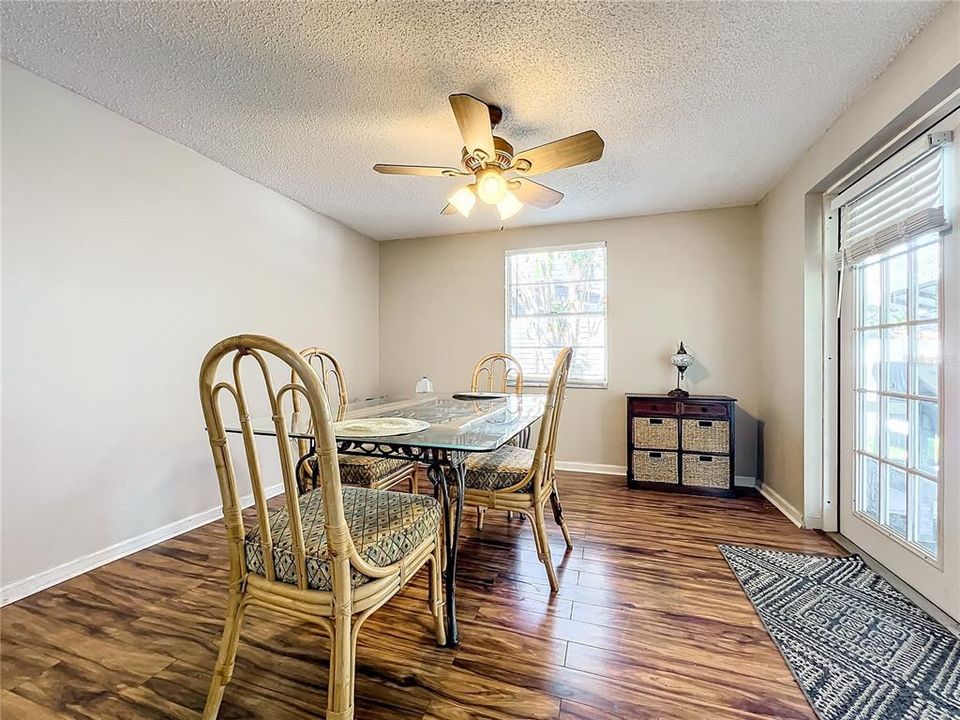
<point>706,471</point>
<point>653,407</point>
<point>711,436</point>
<point>704,409</point>
<point>655,467</point>
<point>655,433</point>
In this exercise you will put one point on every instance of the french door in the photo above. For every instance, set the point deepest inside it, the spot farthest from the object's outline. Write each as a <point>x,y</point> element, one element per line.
<point>900,380</point>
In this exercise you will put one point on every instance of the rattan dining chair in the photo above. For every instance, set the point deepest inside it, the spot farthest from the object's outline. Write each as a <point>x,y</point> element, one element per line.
<point>373,472</point>
<point>522,480</point>
<point>306,560</point>
<point>497,372</point>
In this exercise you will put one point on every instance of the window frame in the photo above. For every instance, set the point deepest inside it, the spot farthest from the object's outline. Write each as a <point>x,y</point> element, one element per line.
<point>572,382</point>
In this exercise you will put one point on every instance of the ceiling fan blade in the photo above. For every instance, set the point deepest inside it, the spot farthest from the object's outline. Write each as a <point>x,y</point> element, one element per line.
<point>422,170</point>
<point>448,209</point>
<point>473,117</point>
<point>532,193</point>
<point>577,149</point>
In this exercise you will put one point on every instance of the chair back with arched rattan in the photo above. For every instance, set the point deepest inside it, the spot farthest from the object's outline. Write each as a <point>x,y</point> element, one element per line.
<point>331,376</point>
<point>326,581</point>
<point>370,472</point>
<point>497,372</point>
<point>305,382</point>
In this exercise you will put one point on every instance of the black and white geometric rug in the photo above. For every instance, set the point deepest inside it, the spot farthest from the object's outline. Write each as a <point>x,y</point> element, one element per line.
<point>859,649</point>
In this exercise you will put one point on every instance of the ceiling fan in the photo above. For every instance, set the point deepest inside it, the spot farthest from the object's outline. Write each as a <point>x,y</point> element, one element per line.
<point>500,176</point>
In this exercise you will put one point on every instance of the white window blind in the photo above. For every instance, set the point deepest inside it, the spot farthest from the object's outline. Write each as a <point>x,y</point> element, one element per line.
<point>555,298</point>
<point>902,207</point>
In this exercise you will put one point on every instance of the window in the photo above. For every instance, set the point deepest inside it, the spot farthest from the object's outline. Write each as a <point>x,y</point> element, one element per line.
<point>555,298</point>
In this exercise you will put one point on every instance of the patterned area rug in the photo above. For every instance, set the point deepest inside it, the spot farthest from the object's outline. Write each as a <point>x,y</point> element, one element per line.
<point>859,649</point>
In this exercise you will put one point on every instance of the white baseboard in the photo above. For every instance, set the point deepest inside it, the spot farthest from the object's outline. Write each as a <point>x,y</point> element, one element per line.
<point>744,481</point>
<point>780,503</point>
<point>48,578</point>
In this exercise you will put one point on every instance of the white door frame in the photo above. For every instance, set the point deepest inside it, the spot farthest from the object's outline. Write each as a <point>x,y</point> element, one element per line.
<point>830,397</point>
<point>926,575</point>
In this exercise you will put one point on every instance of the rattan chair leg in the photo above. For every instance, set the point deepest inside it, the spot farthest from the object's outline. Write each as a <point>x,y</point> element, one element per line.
<point>414,482</point>
<point>436,592</point>
<point>480,512</point>
<point>566,534</point>
<point>540,529</point>
<point>558,516</point>
<point>342,669</point>
<point>223,670</point>
<point>536,536</point>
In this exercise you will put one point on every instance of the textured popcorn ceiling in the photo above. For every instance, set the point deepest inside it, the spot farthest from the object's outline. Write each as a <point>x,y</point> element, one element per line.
<point>700,104</point>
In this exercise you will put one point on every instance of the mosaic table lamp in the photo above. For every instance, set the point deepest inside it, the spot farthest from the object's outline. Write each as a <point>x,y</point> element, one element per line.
<point>681,360</point>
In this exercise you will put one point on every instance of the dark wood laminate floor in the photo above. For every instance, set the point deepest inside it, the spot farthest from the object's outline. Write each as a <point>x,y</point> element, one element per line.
<point>649,623</point>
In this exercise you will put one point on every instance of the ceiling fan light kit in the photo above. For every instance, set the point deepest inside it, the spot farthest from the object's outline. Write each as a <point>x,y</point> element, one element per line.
<point>500,176</point>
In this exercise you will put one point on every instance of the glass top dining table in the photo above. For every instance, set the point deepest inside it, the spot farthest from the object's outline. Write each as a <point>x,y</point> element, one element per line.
<point>456,428</point>
<point>455,424</point>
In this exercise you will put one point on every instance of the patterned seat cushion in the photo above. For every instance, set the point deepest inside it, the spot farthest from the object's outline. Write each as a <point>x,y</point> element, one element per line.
<point>385,526</point>
<point>501,469</point>
<point>357,470</point>
<point>365,471</point>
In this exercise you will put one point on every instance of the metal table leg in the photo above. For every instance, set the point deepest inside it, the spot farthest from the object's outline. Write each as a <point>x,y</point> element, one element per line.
<point>440,474</point>
<point>314,471</point>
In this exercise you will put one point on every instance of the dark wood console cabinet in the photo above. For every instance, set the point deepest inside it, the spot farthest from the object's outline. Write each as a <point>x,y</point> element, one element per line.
<point>681,444</point>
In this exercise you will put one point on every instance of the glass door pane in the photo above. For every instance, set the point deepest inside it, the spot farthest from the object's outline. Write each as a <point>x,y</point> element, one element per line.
<point>897,385</point>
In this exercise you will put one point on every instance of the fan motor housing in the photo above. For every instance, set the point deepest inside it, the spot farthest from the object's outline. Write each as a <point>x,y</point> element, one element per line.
<point>503,160</point>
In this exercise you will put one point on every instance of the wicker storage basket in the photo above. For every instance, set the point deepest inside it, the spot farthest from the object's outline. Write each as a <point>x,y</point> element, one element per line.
<point>709,471</point>
<point>655,433</point>
<point>712,436</point>
<point>658,467</point>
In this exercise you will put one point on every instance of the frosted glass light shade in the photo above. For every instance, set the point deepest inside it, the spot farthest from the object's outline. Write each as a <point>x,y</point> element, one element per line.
<point>463,200</point>
<point>509,206</point>
<point>491,186</point>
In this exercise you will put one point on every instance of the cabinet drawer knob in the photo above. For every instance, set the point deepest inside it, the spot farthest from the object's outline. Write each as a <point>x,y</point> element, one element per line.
<point>656,455</point>
<point>706,458</point>
<point>656,421</point>
<point>705,423</point>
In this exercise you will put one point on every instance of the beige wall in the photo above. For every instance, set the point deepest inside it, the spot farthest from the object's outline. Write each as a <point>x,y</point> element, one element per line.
<point>790,319</point>
<point>125,257</point>
<point>686,275</point>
